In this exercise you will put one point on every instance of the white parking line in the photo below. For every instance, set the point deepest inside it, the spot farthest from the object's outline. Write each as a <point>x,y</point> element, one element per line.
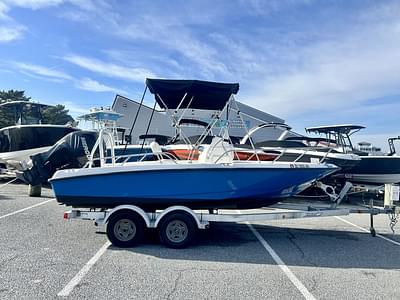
<point>297,283</point>
<point>366,230</point>
<point>7,183</point>
<point>26,208</point>
<point>86,268</point>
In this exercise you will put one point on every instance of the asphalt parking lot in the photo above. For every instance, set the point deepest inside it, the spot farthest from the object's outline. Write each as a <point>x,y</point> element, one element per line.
<point>43,256</point>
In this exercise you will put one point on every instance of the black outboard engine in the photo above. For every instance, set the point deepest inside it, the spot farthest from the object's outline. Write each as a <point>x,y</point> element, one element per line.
<point>72,151</point>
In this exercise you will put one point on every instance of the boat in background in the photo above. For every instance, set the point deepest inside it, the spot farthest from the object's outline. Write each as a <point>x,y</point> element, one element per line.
<point>214,180</point>
<point>291,146</point>
<point>372,169</point>
<point>28,136</point>
<point>74,149</point>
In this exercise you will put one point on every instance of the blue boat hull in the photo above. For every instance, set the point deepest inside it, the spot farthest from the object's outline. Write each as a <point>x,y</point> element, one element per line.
<point>195,188</point>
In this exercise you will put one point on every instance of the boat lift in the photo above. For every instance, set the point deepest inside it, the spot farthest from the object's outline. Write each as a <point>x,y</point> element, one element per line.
<point>177,225</point>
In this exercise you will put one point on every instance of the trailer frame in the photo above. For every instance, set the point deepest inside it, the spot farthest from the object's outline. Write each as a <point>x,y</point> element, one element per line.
<point>177,225</point>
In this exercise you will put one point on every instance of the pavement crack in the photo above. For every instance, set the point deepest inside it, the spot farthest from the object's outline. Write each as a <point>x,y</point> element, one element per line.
<point>292,239</point>
<point>180,274</point>
<point>176,282</point>
<point>369,274</point>
<point>6,261</point>
<point>313,284</point>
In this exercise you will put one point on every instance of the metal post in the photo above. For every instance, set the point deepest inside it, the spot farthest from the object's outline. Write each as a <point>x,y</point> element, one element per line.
<point>134,121</point>
<point>148,126</point>
<point>371,218</point>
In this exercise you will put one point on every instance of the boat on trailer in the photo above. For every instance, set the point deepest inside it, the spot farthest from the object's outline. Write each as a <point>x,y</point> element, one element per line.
<point>214,180</point>
<point>372,169</point>
<point>292,146</point>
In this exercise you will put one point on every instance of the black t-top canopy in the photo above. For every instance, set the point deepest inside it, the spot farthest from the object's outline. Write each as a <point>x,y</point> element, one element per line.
<point>206,95</point>
<point>344,129</point>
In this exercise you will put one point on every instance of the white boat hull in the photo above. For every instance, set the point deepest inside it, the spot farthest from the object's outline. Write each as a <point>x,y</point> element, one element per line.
<point>20,155</point>
<point>374,178</point>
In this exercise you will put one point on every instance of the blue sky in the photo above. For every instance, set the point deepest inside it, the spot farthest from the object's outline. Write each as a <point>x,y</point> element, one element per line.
<point>310,62</point>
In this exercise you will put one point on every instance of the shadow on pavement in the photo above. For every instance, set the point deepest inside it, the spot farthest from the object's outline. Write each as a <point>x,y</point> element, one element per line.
<point>235,243</point>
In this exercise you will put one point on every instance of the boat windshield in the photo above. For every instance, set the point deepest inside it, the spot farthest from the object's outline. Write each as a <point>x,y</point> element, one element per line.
<point>23,138</point>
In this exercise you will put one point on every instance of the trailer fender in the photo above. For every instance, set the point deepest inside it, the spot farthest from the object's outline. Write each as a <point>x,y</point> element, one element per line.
<point>178,208</point>
<point>133,208</point>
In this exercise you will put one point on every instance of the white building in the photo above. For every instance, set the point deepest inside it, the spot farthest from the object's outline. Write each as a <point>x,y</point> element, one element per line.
<point>369,148</point>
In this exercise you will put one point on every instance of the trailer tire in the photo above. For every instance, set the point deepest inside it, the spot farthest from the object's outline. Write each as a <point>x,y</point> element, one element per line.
<point>125,229</point>
<point>177,230</point>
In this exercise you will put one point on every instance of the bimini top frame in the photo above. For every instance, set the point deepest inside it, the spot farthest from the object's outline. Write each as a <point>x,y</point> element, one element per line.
<point>175,96</point>
<point>392,148</point>
<point>340,134</point>
<point>184,95</point>
<point>253,130</point>
<point>342,129</point>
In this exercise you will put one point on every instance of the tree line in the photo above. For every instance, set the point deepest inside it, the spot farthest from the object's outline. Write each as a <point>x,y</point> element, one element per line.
<point>57,114</point>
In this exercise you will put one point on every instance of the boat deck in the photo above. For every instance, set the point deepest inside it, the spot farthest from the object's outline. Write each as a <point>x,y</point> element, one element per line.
<point>43,256</point>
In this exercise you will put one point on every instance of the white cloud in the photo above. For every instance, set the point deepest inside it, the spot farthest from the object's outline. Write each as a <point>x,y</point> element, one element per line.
<point>261,7</point>
<point>73,108</point>
<point>33,4</point>
<point>8,34</point>
<point>173,35</point>
<point>15,30</point>
<point>109,69</point>
<point>337,74</point>
<point>42,71</point>
<point>3,11</point>
<point>10,29</point>
<point>95,86</point>
<point>38,4</point>
<point>53,75</point>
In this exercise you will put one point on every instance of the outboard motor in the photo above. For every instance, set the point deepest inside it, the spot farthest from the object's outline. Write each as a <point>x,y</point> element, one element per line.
<point>72,151</point>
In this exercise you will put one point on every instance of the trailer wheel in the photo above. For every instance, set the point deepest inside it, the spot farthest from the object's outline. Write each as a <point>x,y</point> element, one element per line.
<point>125,229</point>
<point>177,230</point>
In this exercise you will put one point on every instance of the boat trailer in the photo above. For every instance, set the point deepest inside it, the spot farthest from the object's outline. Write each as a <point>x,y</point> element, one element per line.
<point>177,225</point>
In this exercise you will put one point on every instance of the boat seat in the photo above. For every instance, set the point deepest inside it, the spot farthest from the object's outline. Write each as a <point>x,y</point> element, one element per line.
<point>218,151</point>
<point>156,150</point>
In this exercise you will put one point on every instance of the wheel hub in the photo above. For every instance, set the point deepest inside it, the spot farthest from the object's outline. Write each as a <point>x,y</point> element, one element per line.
<point>125,229</point>
<point>177,231</point>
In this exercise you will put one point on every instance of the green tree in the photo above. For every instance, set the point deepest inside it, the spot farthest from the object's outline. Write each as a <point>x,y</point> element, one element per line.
<point>56,115</point>
<point>51,115</point>
<point>13,95</point>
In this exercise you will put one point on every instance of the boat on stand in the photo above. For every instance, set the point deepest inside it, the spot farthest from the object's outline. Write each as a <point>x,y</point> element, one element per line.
<point>214,180</point>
